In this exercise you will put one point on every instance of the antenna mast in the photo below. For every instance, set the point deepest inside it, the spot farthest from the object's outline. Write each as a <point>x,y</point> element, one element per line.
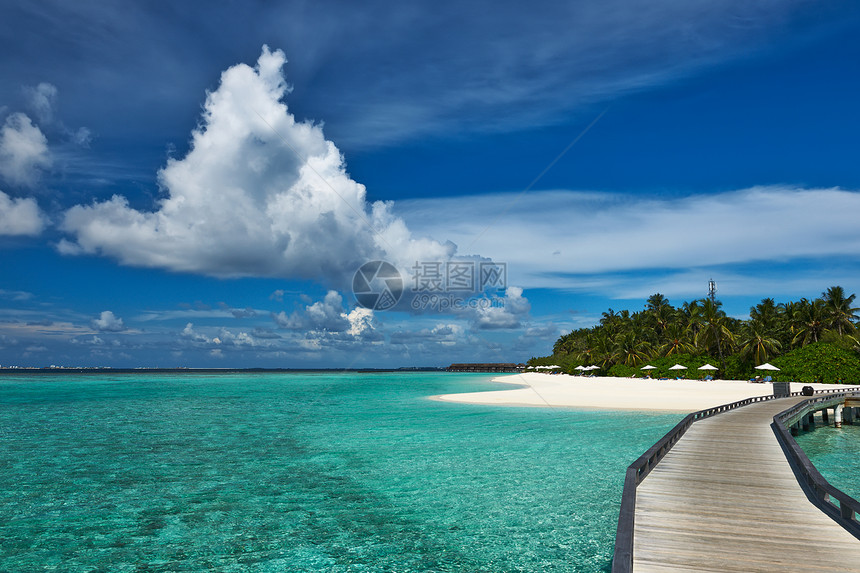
<point>712,290</point>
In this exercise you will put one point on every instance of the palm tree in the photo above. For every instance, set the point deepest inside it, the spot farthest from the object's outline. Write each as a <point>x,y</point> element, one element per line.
<point>608,317</point>
<point>758,345</point>
<point>611,321</point>
<point>596,348</point>
<point>694,320</point>
<point>787,322</point>
<point>809,321</point>
<point>677,341</point>
<point>837,310</point>
<point>764,315</point>
<point>565,344</point>
<point>655,302</point>
<point>629,350</point>
<point>660,311</point>
<point>715,332</point>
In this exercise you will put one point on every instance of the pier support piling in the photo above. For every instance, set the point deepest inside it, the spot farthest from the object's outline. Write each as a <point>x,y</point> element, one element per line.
<point>837,416</point>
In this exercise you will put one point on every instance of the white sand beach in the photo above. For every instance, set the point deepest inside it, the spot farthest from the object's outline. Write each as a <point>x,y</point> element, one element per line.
<point>538,389</point>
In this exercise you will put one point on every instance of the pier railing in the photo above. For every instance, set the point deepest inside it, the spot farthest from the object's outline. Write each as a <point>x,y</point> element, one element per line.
<point>622,559</point>
<point>831,500</point>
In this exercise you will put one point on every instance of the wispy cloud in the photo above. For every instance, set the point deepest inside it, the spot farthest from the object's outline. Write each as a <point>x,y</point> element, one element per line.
<point>491,69</point>
<point>410,69</point>
<point>18,296</point>
<point>588,241</point>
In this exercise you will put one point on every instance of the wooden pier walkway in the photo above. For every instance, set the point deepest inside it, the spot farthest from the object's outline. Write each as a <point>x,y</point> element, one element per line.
<point>724,498</point>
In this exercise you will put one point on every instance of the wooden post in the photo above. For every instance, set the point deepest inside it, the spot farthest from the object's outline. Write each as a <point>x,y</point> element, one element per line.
<point>849,416</point>
<point>824,415</point>
<point>804,421</point>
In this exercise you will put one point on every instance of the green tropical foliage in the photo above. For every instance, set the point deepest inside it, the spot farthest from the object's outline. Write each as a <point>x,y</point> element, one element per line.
<point>822,362</point>
<point>816,339</point>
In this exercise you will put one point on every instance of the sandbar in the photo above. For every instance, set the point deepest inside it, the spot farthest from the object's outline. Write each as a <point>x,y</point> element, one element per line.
<point>562,390</point>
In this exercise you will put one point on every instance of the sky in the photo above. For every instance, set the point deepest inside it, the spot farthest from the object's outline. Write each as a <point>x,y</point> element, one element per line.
<point>384,184</point>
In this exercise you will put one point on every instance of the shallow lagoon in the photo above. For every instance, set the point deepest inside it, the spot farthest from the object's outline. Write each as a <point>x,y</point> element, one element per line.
<point>304,472</point>
<point>836,454</point>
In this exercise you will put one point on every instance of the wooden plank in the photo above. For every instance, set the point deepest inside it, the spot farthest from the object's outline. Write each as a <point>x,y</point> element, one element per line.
<point>725,499</point>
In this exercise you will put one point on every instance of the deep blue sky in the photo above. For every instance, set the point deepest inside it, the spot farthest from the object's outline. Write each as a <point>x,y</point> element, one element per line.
<point>726,148</point>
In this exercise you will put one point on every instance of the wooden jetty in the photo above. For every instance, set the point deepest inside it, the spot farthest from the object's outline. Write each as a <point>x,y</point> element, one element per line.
<point>724,497</point>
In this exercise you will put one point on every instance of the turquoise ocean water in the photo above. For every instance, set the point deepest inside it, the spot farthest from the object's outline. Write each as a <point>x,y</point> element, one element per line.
<point>304,472</point>
<point>836,454</point>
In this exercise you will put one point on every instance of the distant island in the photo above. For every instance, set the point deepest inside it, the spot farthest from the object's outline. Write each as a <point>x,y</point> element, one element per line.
<point>808,340</point>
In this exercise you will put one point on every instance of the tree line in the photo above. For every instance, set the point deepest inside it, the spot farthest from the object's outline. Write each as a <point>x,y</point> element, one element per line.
<point>700,331</point>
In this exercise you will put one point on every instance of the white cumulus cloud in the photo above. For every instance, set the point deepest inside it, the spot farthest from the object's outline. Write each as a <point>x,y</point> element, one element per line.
<point>503,312</point>
<point>20,216</point>
<point>258,194</point>
<point>23,151</point>
<point>360,321</point>
<point>326,314</point>
<point>108,322</point>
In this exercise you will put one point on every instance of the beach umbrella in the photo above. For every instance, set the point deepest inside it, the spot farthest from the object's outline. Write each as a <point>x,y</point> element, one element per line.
<point>677,367</point>
<point>593,367</point>
<point>708,367</point>
<point>553,367</point>
<point>580,367</point>
<point>766,366</point>
<point>648,367</point>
